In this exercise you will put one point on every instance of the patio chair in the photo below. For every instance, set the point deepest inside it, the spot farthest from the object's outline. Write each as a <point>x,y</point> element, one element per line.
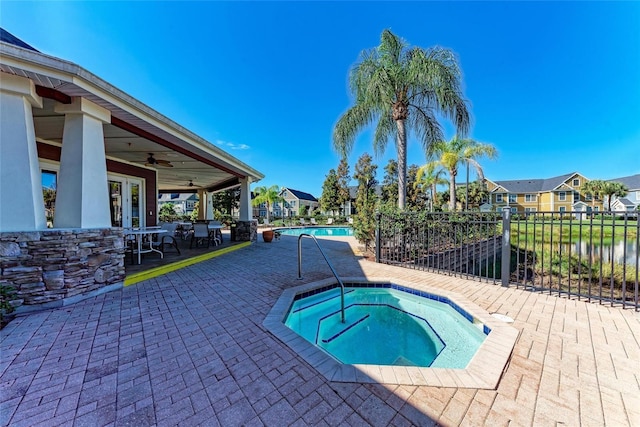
<point>302,221</point>
<point>313,221</point>
<point>329,221</point>
<point>186,228</point>
<point>160,241</point>
<point>200,235</point>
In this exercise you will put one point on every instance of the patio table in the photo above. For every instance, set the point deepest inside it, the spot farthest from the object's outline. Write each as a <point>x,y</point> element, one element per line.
<point>139,234</point>
<point>216,230</point>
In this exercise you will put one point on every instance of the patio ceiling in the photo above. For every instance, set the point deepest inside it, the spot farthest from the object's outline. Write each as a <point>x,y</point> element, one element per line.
<point>135,130</point>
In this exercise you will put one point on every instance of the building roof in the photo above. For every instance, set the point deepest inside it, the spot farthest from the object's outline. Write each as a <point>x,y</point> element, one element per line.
<point>353,191</point>
<point>176,197</point>
<point>301,195</point>
<point>623,201</point>
<point>135,131</point>
<point>534,185</point>
<point>7,37</point>
<point>632,182</point>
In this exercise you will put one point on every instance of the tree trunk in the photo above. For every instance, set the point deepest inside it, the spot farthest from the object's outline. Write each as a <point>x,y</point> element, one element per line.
<point>401,145</point>
<point>434,197</point>
<point>452,191</point>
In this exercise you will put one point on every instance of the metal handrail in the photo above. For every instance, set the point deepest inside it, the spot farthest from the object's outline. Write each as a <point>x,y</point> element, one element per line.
<point>328,263</point>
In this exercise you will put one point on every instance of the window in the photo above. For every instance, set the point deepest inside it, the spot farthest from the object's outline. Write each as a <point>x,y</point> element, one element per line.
<point>576,196</point>
<point>576,182</point>
<point>530,197</point>
<point>562,196</point>
<point>562,209</point>
<point>596,208</point>
<point>514,210</point>
<point>588,197</point>
<point>529,209</point>
<point>292,203</point>
<point>499,198</point>
<point>513,198</point>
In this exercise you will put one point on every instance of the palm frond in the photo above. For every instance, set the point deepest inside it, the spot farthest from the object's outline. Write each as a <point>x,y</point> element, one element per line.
<point>385,131</point>
<point>349,125</point>
<point>425,126</point>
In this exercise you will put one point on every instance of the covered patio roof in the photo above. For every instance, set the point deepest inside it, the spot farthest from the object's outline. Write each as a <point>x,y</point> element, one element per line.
<point>135,130</point>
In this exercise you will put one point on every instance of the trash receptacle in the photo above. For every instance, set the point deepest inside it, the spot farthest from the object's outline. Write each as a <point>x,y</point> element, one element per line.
<point>233,228</point>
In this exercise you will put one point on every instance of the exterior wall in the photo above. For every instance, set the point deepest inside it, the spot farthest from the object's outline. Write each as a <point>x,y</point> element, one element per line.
<point>545,201</point>
<point>52,268</point>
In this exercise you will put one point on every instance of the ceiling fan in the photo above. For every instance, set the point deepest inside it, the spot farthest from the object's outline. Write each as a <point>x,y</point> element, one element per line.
<point>152,161</point>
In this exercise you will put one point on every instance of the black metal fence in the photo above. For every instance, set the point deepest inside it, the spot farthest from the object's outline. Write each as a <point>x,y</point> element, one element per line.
<point>564,253</point>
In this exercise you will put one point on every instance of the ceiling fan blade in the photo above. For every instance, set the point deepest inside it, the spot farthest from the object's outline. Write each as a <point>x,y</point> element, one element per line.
<point>164,164</point>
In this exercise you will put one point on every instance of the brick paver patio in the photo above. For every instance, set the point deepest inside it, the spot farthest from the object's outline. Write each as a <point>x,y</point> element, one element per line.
<point>188,348</point>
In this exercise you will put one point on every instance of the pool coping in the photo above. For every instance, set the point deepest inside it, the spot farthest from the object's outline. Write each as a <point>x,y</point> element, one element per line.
<point>484,371</point>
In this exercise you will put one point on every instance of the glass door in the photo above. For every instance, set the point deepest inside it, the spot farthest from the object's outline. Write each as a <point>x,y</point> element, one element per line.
<point>126,202</point>
<point>115,204</point>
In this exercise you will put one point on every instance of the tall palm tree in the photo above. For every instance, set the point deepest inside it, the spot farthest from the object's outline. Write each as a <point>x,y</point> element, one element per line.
<point>402,89</point>
<point>267,195</point>
<point>430,176</point>
<point>594,188</point>
<point>458,151</point>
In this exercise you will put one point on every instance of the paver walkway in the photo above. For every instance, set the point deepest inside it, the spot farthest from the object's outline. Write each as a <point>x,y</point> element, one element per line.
<point>188,348</point>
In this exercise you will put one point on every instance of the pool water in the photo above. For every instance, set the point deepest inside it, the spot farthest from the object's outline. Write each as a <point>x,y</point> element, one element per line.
<point>387,326</point>
<point>317,231</point>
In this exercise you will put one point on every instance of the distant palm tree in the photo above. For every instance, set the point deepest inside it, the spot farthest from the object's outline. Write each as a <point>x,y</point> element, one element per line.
<point>458,151</point>
<point>430,176</point>
<point>613,188</point>
<point>594,188</point>
<point>402,88</point>
<point>268,196</point>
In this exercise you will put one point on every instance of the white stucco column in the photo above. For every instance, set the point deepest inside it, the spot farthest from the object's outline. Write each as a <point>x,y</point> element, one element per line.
<point>21,201</point>
<point>82,200</point>
<point>209,205</point>
<point>245,199</point>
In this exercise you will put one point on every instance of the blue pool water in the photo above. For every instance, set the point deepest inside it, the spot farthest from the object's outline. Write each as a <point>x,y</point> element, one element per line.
<point>387,326</point>
<point>317,231</point>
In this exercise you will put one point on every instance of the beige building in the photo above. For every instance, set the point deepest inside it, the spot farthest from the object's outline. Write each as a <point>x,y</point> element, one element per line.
<point>557,194</point>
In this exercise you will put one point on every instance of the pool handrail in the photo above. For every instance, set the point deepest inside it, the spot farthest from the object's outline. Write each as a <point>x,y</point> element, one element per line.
<point>328,263</point>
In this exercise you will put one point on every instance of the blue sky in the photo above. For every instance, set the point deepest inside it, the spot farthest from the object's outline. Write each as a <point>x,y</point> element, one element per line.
<point>554,86</point>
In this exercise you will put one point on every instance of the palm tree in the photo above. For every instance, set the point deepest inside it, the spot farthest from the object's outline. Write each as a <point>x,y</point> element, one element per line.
<point>402,88</point>
<point>430,176</point>
<point>614,188</point>
<point>452,153</point>
<point>267,195</point>
<point>594,188</point>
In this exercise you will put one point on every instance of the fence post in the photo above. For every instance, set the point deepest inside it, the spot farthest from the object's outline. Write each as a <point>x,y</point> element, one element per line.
<point>505,261</point>
<point>378,215</point>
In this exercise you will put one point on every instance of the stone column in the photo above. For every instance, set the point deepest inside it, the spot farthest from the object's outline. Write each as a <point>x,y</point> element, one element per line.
<point>21,201</point>
<point>82,199</point>
<point>245,199</point>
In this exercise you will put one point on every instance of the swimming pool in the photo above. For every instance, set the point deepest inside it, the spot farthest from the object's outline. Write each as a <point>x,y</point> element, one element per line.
<point>316,231</point>
<point>388,325</point>
<point>483,371</point>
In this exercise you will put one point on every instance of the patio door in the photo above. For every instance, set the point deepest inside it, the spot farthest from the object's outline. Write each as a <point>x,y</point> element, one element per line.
<point>126,201</point>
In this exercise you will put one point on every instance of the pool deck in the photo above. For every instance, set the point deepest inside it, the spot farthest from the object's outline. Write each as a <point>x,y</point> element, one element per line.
<point>189,348</point>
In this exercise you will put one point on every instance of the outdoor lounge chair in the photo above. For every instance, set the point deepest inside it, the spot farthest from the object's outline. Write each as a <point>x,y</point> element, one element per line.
<point>200,235</point>
<point>302,221</point>
<point>329,221</point>
<point>161,241</point>
<point>313,221</point>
